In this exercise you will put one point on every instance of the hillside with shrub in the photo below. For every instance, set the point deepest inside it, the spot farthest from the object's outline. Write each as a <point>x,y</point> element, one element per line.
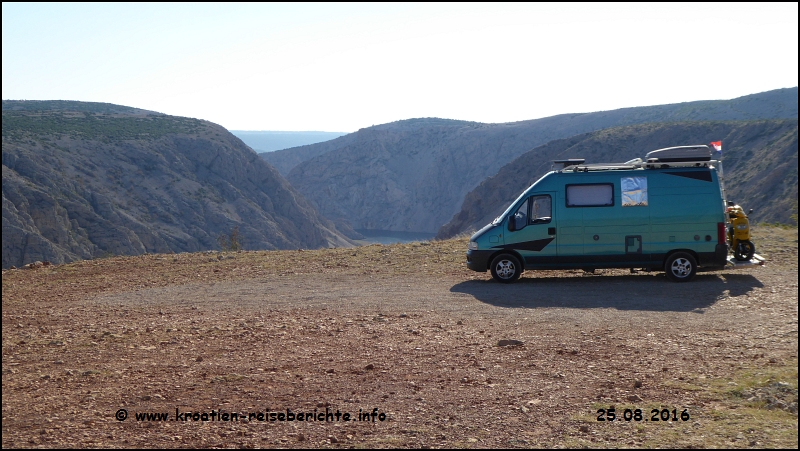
<point>412,175</point>
<point>84,180</point>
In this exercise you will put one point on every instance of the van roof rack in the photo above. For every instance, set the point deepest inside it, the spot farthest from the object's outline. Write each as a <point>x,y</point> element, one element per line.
<point>636,164</point>
<point>569,162</point>
<point>669,157</point>
<point>602,167</point>
<point>679,164</point>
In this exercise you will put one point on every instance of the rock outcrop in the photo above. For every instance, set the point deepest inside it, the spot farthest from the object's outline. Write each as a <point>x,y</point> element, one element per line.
<point>83,180</point>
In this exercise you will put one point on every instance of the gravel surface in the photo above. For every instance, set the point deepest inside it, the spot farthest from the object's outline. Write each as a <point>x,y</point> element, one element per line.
<point>448,358</point>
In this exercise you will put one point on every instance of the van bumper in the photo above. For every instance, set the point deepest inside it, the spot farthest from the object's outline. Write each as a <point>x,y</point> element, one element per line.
<point>721,254</point>
<point>478,260</point>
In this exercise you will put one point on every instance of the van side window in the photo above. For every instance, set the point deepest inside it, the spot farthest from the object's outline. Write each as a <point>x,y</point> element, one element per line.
<point>535,210</point>
<point>597,195</point>
<point>634,191</point>
<point>541,210</point>
<point>520,217</point>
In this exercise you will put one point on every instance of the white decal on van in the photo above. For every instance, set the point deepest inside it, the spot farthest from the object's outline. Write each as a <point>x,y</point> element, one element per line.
<point>634,191</point>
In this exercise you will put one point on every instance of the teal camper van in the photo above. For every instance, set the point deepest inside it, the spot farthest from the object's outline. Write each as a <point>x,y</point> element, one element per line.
<point>666,213</point>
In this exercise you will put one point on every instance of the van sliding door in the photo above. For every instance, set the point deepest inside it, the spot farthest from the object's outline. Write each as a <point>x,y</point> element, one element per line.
<point>616,221</point>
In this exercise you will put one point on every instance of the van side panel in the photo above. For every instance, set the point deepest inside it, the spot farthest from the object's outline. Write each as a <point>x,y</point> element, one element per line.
<point>682,212</point>
<point>685,211</point>
<point>570,224</point>
<point>606,230</point>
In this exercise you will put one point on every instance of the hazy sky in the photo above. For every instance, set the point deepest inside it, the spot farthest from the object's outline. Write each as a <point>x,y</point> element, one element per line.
<point>341,67</point>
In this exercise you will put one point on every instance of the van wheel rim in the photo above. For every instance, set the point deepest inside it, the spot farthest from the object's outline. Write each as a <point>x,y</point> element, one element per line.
<point>505,269</point>
<point>681,267</point>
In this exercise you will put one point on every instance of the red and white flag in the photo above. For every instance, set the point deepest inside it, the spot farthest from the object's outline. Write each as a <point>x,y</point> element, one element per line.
<point>717,145</point>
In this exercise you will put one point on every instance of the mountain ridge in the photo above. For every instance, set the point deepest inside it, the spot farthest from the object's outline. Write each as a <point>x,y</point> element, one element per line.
<point>759,162</point>
<point>78,184</point>
<point>412,175</point>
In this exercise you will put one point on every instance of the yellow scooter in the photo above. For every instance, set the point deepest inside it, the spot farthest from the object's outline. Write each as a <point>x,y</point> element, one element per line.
<point>739,233</point>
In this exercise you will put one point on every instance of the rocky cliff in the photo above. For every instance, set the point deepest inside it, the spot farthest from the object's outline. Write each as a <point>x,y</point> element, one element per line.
<point>759,162</point>
<point>83,180</point>
<point>412,175</point>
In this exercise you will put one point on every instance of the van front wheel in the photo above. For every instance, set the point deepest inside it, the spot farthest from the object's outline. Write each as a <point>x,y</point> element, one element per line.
<point>680,267</point>
<point>506,268</point>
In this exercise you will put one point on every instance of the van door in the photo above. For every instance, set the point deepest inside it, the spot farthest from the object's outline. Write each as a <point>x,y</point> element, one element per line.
<point>570,232</point>
<point>617,229</point>
<point>534,231</point>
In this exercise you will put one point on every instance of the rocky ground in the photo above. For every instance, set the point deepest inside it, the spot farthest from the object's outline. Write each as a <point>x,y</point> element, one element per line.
<point>448,357</point>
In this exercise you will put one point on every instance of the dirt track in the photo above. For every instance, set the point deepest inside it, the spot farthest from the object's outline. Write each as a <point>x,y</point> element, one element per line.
<point>421,348</point>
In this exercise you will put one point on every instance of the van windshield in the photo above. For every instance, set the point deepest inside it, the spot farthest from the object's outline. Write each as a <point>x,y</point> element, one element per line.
<point>500,218</point>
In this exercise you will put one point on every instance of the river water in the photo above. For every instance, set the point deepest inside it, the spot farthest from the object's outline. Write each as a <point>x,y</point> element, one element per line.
<point>390,237</point>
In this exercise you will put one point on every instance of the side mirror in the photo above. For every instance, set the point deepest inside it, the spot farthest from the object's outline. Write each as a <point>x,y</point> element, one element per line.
<point>750,211</point>
<point>512,224</point>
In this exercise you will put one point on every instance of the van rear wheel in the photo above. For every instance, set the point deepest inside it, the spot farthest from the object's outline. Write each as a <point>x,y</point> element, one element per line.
<point>680,267</point>
<point>506,268</point>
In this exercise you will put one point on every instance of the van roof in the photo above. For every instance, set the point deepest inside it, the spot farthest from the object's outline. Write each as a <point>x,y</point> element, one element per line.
<point>670,157</point>
<point>637,165</point>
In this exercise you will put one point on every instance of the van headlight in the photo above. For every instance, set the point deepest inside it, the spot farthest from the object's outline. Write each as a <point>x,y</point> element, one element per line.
<point>473,245</point>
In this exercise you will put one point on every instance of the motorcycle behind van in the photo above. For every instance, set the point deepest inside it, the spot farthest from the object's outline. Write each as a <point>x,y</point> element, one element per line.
<point>739,233</point>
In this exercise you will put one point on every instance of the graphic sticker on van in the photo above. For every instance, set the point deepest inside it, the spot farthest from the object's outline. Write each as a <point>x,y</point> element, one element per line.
<point>697,175</point>
<point>535,245</point>
<point>634,191</point>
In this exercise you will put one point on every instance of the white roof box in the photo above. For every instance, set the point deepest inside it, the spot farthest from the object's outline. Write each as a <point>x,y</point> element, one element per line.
<point>681,153</point>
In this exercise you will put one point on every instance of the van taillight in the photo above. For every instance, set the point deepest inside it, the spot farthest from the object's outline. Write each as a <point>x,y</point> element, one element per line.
<point>720,233</point>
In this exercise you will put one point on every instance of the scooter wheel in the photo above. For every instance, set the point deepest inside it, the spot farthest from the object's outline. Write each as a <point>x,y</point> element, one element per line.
<point>744,251</point>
